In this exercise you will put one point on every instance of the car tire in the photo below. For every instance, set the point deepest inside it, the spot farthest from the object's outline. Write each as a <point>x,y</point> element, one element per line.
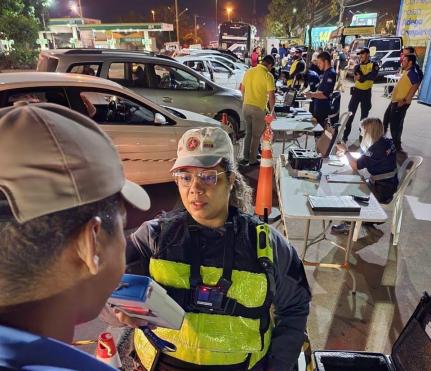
<point>232,122</point>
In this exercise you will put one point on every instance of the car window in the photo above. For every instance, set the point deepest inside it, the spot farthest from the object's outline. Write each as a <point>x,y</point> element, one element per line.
<point>91,69</point>
<point>47,64</point>
<point>227,63</point>
<point>385,44</point>
<point>198,66</point>
<point>107,108</point>
<point>117,72</point>
<point>218,67</point>
<point>38,95</point>
<point>173,78</point>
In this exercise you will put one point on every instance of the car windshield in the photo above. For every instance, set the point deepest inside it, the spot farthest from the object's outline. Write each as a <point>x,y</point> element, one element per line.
<point>385,44</point>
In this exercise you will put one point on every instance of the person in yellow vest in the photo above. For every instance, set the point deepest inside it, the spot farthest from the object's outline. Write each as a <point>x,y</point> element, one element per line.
<point>365,73</point>
<point>227,269</point>
<point>401,99</point>
<point>296,69</point>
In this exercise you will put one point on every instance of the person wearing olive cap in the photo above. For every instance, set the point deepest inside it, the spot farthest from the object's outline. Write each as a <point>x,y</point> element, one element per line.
<point>209,258</point>
<point>62,212</point>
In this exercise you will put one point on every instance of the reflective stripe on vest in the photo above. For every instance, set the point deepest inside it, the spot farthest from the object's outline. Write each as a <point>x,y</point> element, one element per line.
<point>210,339</point>
<point>291,71</point>
<point>365,69</point>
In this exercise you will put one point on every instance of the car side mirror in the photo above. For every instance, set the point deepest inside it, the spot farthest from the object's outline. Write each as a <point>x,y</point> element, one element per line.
<point>159,119</point>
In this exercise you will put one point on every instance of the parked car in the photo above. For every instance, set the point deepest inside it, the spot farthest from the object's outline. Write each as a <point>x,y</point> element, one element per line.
<point>227,59</point>
<point>159,78</point>
<point>145,134</point>
<point>385,51</point>
<point>217,71</point>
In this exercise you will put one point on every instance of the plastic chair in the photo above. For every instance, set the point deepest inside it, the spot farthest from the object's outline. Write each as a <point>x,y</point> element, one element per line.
<point>343,122</point>
<point>405,176</point>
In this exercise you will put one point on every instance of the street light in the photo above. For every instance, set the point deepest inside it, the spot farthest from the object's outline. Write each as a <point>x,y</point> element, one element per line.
<point>295,10</point>
<point>77,8</point>
<point>154,15</point>
<point>229,10</point>
<point>177,19</point>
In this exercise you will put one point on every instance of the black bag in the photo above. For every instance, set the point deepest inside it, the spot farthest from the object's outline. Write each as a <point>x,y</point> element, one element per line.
<point>352,90</point>
<point>411,351</point>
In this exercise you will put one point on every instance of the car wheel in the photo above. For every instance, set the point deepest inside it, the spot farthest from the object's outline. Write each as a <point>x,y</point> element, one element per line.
<point>232,122</point>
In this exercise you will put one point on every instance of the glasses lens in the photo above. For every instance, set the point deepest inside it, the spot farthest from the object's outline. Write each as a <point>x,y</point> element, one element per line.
<point>208,177</point>
<point>185,179</point>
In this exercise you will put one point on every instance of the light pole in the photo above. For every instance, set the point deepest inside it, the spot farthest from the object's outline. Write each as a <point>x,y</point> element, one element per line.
<point>177,19</point>
<point>154,15</point>
<point>229,10</point>
<point>216,18</point>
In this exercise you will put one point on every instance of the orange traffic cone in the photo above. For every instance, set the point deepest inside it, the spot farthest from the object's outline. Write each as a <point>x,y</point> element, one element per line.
<point>106,350</point>
<point>264,207</point>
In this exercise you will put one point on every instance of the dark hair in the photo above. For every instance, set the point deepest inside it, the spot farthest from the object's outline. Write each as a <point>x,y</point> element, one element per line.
<point>269,59</point>
<point>411,58</point>
<point>324,56</point>
<point>411,49</point>
<point>28,250</point>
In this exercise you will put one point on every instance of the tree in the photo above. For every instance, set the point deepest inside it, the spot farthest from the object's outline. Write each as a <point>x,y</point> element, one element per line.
<point>20,20</point>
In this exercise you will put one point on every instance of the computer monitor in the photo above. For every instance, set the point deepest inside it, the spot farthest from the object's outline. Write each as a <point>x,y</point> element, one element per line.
<point>289,98</point>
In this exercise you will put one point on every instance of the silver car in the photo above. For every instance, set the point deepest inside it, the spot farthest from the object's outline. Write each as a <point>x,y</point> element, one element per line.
<point>159,78</point>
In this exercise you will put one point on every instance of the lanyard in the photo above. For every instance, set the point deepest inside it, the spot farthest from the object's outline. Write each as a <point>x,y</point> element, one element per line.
<point>156,342</point>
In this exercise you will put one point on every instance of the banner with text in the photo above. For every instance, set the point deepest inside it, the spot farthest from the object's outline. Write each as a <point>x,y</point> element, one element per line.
<point>414,22</point>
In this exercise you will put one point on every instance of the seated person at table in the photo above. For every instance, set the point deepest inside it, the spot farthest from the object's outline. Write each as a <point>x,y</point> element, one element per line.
<point>379,158</point>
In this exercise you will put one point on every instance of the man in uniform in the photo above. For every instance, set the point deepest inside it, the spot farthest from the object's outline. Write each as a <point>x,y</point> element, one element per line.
<point>62,246</point>
<point>297,67</point>
<point>402,96</point>
<point>321,105</point>
<point>365,73</point>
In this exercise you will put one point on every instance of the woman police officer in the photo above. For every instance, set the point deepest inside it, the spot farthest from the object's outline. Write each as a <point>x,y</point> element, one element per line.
<point>379,158</point>
<point>209,259</point>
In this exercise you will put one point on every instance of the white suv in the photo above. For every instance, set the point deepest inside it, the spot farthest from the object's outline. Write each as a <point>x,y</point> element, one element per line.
<point>159,78</point>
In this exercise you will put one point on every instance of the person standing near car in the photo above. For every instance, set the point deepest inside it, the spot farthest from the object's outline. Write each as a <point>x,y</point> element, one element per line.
<point>213,254</point>
<point>321,106</point>
<point>365,73</point>
<point>258,90</point>
<point>62,245</point>
<point>402,96</point>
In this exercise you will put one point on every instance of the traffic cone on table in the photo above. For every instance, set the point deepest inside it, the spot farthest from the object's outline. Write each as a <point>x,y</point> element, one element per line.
<point>106,350</point>
<point>264,207</point>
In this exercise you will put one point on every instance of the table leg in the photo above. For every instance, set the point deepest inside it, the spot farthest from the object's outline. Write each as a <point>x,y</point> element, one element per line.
<point>349,244</point>
<point>307,232</point>
<point>306,140</point>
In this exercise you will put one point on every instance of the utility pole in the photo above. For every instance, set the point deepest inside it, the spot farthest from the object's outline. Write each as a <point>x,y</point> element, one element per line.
<point>177,21</point>
<point>216,18</point>
<point>80,11</point>
<point>196,30</point>
<point>342,7</point>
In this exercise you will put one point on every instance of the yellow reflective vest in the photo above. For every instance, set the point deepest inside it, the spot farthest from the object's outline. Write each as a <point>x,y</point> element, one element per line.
<point>366,69</point>
<point>214,339</point>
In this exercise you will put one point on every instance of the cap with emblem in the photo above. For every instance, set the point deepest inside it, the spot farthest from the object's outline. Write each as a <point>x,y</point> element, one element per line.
<point>203,147</point>
<point>54,159</point>
<point>363,51</point>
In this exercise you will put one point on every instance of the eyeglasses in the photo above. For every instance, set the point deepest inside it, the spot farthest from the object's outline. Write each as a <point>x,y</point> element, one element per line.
<point>206,177</point>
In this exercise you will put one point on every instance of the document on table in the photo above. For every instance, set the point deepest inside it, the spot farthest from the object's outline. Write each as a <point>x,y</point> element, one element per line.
<point>344,178</point>
<point>334,203</point>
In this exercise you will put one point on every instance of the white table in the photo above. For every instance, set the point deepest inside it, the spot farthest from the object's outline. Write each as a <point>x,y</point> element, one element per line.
<point>293,201</point>
<point>295,124</point>
<point>391,80</point>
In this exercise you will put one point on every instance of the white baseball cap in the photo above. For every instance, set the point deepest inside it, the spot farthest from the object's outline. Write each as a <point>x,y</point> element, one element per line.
<point>203,147</point>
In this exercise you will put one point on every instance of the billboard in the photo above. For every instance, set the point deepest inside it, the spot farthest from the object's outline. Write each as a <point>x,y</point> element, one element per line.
<point>320,36</point>
<point>414,22</point>
<point>364,19</point>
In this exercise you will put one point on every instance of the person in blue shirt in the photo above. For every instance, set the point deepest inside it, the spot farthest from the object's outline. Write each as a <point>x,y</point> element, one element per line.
<point>378,158</point>
<point>321,106</point>
<point>62,246</point>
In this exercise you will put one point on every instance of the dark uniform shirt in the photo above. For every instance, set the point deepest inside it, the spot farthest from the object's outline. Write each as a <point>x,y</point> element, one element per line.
<point>322,107</point>
<point>379,159</point>
<point>20,350</point>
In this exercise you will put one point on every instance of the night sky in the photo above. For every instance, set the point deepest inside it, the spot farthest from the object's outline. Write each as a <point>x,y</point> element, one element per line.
<point>112,10</point>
